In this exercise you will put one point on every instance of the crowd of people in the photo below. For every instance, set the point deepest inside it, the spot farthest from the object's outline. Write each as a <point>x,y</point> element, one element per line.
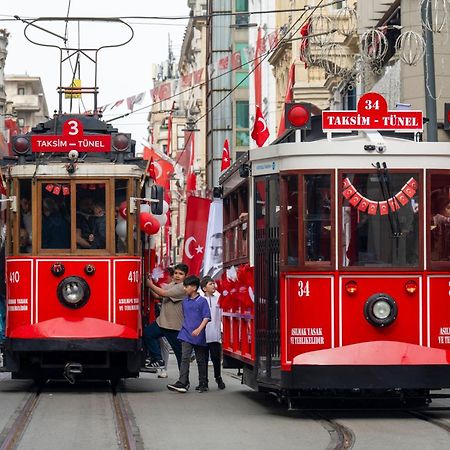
<point>189,321</point>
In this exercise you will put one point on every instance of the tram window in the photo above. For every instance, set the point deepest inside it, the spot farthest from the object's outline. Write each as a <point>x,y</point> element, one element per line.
<point>91,216</point>
<point>317,217</point>
<point>374,234</point>
<point>25,217</point>
<point>121,189</point>
<point>440,217</point>
<point>56,216</point>
<point>292,220</point>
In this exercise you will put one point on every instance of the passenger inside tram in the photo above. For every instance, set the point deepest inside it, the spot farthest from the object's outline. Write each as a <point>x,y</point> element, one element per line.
<point>55,227</point>
<point>83,235</point>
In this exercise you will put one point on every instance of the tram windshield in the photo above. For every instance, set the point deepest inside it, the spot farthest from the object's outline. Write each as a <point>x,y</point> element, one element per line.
<point>380,219</point>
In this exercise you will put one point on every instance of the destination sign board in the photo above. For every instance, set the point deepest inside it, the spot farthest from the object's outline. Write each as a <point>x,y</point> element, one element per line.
<point>372,114</point>
<point>72,138</point>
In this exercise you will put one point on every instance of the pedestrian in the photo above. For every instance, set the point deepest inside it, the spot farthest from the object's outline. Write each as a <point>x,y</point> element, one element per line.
<point>168,324</point>
<point>192,336</point>
<point>214,328</point>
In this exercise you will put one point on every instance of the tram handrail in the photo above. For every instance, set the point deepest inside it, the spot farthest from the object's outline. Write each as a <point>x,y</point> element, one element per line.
<point>13,200</point>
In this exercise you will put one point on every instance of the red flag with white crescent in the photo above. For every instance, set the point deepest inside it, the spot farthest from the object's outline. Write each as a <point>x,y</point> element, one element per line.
<point>225,156</point>
<point>163,166</point>
<point>260,132</point>
<point>197,213</point>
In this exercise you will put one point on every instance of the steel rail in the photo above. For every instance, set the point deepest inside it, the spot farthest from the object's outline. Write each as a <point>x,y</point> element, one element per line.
<point>342,438</point>
<point>441,423</point>
<point>127,430</point>
<point>14,432</point>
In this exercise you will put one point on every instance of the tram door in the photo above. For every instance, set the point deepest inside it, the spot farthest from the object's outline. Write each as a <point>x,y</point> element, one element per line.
<point>267,256</point>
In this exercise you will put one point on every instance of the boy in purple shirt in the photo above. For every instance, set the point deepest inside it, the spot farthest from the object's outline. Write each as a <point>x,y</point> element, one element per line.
<point>192,336</point>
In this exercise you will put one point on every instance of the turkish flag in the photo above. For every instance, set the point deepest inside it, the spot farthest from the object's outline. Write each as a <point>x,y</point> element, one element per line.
<point>151,170</point>
<point>260,132</point>
<point>225,156</point>
<point>197,214</point>
<point>287,98</point>
<point>163,166</point>
<point>198,76</point>
<point>164,91</point>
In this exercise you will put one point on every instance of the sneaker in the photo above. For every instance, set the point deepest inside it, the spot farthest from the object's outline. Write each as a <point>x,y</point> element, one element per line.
<point>162,373</point>
<point>197,388</point>
<point>178,387</point>
<point>220,383</point>
<point>203,388</point>
<point>154,363</point>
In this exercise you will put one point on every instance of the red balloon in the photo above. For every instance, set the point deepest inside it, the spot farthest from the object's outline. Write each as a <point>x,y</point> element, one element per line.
<point>123,209</point>
<point>149,224</point>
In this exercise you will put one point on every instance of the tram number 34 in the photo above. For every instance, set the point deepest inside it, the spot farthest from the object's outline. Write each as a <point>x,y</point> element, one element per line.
<point>14,277</point>
<point>303,289</point>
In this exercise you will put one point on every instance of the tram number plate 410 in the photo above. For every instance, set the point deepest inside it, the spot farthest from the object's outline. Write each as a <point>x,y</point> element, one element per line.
<point>303,288</point>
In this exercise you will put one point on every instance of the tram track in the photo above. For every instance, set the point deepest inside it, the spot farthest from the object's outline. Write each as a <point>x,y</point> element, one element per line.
<point>14,430</point>
<point>127,431</point>
<point>341,437</point>
<point>440,423</point>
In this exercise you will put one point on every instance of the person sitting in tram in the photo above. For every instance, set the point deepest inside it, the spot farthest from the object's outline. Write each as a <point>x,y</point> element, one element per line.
<point>55,229</point>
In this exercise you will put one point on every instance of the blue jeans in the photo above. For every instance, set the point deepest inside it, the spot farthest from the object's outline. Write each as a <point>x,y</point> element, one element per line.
<point>152,333</point>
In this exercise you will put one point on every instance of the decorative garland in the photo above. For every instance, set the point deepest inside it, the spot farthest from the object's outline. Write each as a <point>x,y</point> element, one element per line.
<point>407,192</point>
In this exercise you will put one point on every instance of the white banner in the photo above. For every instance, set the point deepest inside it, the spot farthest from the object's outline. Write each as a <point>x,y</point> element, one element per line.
<point>213,259</point>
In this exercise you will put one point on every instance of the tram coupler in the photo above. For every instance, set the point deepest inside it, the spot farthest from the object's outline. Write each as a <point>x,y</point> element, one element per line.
<point>72,369</point>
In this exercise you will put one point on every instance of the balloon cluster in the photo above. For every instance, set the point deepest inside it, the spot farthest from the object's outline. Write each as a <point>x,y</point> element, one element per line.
<point>236,288</point>
<point>149,223</point>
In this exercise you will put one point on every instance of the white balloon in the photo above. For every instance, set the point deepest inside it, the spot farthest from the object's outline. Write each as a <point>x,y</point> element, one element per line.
<point>145,208</point>
<point>120,219</point>
<point>165,207</point>
<point>162,219</point>
<point>121,229</point>
<point>152,242</point>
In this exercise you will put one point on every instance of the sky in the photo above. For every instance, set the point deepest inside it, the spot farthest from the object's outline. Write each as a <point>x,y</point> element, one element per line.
<point>122,71</point>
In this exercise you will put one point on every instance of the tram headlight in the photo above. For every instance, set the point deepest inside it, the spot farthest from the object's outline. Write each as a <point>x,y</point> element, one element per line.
<point>121,142</point>
<point>380,310</point>
<point>73,292</point>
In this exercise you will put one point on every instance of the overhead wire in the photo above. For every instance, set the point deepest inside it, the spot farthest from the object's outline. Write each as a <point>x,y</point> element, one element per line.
<point>261,59</point>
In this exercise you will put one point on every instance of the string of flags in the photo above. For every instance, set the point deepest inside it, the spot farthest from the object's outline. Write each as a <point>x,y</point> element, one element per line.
<point>371,207</point>
<point>166,89</point>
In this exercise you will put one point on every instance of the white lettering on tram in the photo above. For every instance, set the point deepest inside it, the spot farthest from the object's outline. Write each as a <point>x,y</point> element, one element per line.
<point>88,143</point>
<point>444,335</point>
<point>51,143</point>
<point>129,304</point>
<point>357,120</point>
<point>17,304</point>
<point>307,336</point>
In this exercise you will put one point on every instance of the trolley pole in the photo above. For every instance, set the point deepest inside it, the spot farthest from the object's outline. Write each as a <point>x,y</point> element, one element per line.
<point>429,75</point>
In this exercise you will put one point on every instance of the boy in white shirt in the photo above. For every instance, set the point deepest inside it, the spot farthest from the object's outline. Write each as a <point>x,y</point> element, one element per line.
<point>213,328</point>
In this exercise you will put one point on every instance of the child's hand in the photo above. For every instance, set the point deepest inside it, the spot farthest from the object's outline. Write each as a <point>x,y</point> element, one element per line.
<point>196,332</point>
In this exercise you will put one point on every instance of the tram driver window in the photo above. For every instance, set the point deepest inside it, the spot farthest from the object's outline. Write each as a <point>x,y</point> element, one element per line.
<point>440,217</point>
<point>380,219</point>
<point>91,216</point>
<point>317,218</point>
<point>56,216</point>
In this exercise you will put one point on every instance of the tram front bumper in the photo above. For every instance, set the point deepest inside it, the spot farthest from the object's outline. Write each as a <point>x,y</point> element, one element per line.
<point>370,365</point>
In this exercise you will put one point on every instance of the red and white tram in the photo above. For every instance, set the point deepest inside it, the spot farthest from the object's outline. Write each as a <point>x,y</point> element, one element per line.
<point>73,252</point>
<point>349,241</point>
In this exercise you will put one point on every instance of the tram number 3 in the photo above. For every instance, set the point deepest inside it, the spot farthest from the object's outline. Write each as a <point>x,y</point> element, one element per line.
<point>133,276</point>
<point>73,124</point>
<point>303,289</point>
<point>14,277</point>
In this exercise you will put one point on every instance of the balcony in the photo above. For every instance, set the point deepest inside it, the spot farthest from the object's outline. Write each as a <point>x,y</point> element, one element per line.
<point>26,102</point>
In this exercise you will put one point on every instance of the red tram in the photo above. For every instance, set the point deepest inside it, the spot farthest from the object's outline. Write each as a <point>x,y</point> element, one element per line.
<point>74,252</point>
<point>349,241</point>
